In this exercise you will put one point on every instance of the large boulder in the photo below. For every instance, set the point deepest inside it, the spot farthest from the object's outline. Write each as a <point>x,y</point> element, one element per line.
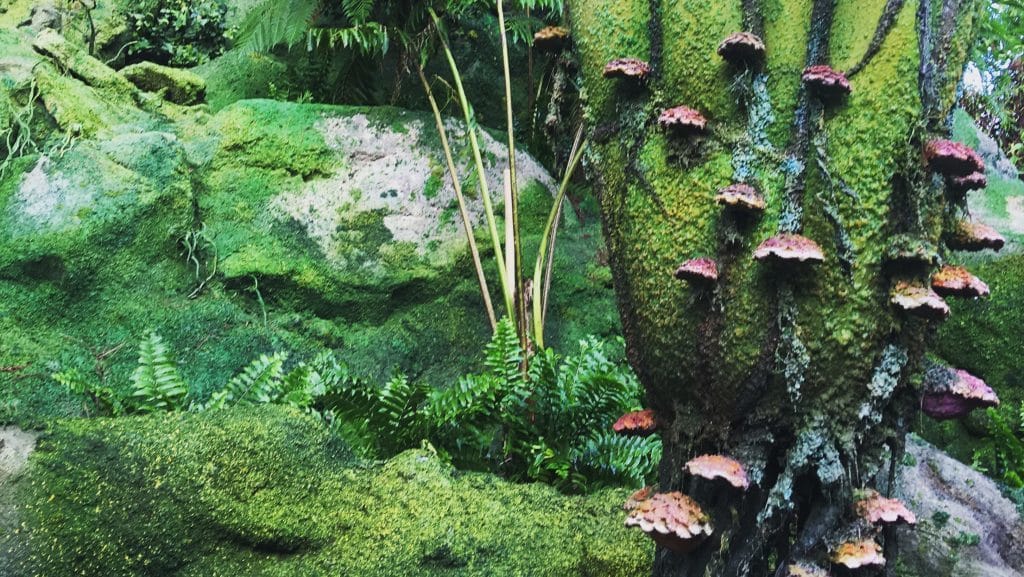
<point>965,525</point>
<point>267,226</point>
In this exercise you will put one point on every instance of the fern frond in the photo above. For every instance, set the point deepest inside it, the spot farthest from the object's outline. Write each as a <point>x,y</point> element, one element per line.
<point>276,22</point>
<point>156,384</point>
<point>258,383</point>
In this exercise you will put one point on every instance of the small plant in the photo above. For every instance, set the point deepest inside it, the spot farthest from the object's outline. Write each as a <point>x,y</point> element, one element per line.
<point>177,32</point>
<point>156,384</point>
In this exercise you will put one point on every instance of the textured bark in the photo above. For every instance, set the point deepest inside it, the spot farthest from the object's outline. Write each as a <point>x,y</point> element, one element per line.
<point>802,373</point>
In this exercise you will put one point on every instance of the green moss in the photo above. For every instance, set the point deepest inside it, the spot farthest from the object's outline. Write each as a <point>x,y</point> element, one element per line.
<point>238,76</point>
<point>176,85</point>
<point>266,492</point>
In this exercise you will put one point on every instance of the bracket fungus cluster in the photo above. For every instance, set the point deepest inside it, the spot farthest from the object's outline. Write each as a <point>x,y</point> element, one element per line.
<point>698,271</point>
<point>551,38</point>
<point>628,68</point>
<point>974,237</point>
<point>683,120</point>
<point>673,520</point>
<point>953,393</point>
<point>741,197</point>
<point>742,48</point>
<point>879,510</point>
<point>719,467</point>
<point>859,553</point>
<point>956,281</point>
<point>919,301</point>
<point>786,247</point>
<point>637,424</point>
<point>805,570</point>
<point>827,83</point>
<point>952,159</point>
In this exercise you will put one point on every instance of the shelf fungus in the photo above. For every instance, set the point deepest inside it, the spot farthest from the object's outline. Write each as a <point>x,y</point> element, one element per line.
<point>859,553</point>
<point>673,520</point>
<point>952,159</point>
<point>919,301</point>
<point>879,510</point>
<point>741,197</point>
<point>639,496</point>
<point>805,570</point>
<point>629,68</point>
<point>961,185</point>
<point>826,82</point>
<point>698,271</point>
<point>719,467</point>
<point>953,393</point>
<point>974,236</point>
<point>742,48</point>
<point>789,248</point>
<point>683,120</point>
<point>956,281</point>
<point>551,38</point>
<point>637,424</point>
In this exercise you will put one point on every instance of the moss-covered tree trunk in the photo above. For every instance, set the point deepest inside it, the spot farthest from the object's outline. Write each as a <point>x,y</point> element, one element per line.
<point>803,372</point>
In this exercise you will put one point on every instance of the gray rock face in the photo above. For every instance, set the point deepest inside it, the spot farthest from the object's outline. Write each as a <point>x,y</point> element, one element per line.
<point>965,525</point>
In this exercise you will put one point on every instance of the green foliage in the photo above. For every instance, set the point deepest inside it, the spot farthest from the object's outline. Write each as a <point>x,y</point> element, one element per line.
<point>260,382</point>
<point>552,424</point>
<point>177,32</point>
<point>1001,454</point>
<point>156,383</point>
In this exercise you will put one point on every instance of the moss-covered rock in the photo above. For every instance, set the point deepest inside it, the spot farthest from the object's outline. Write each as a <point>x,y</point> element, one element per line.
<point>268,226</point>
<point>267,492</point>
<point>176,85</point>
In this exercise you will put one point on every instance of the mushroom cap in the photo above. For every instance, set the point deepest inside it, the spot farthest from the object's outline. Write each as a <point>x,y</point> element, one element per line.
<point>789,247</point>
<point>719,467</point>
<point>960,185</point>
<point>742,47</point>
<point>741,196</point>
<point>826,81</point>
<point>974,236</point>
<point>683,119</point>
<point>952,158</point>
<point>958,282</point>
<point>953,393</point>
<point>805,570</point>
<point>859,553</point>
<point>879,510</point>
<point>698,270</point>
<point>638,497</point>
<point>673,520</point>
<point>919,301</point>
<point>627,68</point>
<point>550,38</point>
<point>637,423</point>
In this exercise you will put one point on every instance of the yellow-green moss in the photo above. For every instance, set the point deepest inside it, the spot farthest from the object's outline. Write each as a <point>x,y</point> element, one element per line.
<point>267,492</point>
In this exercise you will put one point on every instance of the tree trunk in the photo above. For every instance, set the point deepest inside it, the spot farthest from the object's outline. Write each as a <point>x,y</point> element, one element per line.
<point>802,372</point>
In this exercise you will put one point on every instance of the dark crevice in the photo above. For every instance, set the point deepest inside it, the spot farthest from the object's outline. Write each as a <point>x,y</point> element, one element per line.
<point>926,73</point>
<point>656,36</point>
<point>885,23</point>
<point>753,17</point>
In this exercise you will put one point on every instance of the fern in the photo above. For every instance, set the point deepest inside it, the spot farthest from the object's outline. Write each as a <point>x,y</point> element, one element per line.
<point>258,383</point>
<point>276,22</point>
<point>103,399</point>
<point>156,384</point>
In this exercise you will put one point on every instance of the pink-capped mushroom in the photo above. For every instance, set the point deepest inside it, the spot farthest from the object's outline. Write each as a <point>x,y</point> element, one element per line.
<point>673,520</point>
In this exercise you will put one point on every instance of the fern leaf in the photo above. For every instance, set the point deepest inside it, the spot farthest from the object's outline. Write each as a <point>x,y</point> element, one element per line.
<point>258,383</point>
<point>156,384</point>
<point>276,22</point>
